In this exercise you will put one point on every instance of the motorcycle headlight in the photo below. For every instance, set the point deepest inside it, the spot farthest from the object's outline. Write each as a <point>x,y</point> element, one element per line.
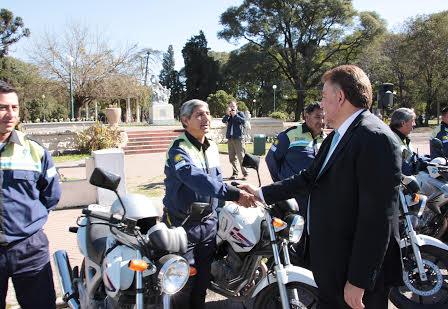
<point>173,274</point>
<point>295,226</point>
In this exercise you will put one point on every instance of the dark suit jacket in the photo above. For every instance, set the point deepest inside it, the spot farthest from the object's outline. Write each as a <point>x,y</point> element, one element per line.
<point>353,208</point>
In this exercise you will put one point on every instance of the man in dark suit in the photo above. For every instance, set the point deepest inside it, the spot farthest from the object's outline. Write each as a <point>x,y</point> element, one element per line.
<point>352,189</point>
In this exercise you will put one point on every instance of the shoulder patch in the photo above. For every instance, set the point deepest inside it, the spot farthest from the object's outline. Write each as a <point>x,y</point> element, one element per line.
<point>178,158</point>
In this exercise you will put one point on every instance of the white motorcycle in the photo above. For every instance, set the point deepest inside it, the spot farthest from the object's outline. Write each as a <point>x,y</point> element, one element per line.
<point>128,255</point>
<point>249,266</point>
<point>425,259</point>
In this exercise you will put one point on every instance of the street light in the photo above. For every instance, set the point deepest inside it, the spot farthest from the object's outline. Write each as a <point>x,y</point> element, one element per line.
<point>255,108</point>
<point>274,87</point>
<point>43,105</point>
<point>70,61</point>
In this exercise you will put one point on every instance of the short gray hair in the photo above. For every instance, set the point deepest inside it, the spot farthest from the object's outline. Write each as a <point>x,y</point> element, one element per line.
<point>401,115</point>
<point>187,108</point>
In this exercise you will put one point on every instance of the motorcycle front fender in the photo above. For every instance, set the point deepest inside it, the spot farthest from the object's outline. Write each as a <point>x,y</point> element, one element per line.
<point>424,240</point>
<point>293,274</point>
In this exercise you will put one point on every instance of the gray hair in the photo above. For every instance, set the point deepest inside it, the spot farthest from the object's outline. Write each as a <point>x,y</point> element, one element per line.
<point>401,115</point>
<point>187,108</point>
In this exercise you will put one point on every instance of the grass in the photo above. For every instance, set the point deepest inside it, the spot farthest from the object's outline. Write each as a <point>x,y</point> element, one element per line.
<point>70,157</point>
<point>249,148</point>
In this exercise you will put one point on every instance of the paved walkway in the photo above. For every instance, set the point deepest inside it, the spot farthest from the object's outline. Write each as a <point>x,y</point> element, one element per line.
<point>140,169</point>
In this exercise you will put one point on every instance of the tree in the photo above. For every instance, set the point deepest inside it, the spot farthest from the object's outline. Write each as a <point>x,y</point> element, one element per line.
<point>428,39</point>
<point>94,65</point>
<point>201,70</point>
<point>12,29</point>
<point>171,79</point>
<point>218,102</point>
<point>304,38</point>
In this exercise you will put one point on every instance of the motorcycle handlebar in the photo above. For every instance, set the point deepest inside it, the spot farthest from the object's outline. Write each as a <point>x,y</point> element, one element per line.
<point>115,218</point>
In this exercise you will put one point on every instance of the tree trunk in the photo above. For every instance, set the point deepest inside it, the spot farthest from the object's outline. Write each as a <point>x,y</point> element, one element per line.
<point>299,104</point>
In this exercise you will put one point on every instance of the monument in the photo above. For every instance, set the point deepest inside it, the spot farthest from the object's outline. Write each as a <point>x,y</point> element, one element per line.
<point>161,112</point>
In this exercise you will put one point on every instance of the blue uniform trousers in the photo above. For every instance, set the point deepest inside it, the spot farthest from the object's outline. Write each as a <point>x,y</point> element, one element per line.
<point>27,262</point>
<point>201,249</point>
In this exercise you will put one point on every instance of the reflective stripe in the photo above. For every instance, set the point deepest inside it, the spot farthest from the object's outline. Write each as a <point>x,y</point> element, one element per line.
<point>51,172</point>
<point>8,165</point>
<point>273,148</point>
<point>299,143</point>
<point>180,164</point>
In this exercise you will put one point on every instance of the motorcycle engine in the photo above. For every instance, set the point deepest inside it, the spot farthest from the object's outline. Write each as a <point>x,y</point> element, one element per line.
<point>226,268</point>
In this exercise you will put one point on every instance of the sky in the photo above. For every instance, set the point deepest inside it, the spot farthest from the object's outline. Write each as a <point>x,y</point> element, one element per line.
<point>158,23</point>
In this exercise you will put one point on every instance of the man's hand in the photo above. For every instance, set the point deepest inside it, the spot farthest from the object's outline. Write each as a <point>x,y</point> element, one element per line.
<point>353,296</point>
<point>250,189</point>
<point>228,111</point>
<point>246,199</point>
<point>233,112</point>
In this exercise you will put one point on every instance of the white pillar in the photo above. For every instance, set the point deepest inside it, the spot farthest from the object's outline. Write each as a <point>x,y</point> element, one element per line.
<point>86,106</point>
<point>128,110</point>
<point>137,111</point>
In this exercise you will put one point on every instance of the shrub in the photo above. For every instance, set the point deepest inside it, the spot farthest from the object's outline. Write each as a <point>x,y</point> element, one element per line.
<point>97,137</point>
<point>279,115</point>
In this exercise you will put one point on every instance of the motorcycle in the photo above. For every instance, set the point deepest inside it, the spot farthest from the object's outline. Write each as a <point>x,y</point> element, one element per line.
<point>424,258</point>
<point>249,266</point>
<point>432,177</point>
<point>130,258</point>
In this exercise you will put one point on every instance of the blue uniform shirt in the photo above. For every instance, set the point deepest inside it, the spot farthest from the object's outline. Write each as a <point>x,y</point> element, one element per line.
<point>292,151</point>
<point>30,187</point>
<point>193,175</point>
<point>441,133</point>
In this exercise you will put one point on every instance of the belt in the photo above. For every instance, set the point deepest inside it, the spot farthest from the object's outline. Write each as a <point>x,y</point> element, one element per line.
<point>183,219</point>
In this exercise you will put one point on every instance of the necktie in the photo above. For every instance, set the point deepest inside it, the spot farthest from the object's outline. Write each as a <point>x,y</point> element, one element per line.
<point>334,142</point>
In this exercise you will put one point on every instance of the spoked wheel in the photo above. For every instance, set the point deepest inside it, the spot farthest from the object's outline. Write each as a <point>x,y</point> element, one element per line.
<point>269,297</point>
<point>432,293</point>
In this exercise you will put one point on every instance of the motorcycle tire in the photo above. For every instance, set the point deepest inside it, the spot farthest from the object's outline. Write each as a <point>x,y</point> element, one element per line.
<point>269,297</point>
<point>436,266</point>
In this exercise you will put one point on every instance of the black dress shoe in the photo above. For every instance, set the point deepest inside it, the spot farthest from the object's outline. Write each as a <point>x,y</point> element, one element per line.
<point>233,177</point>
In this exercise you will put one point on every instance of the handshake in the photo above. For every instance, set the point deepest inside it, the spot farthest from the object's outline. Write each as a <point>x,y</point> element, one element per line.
<point>249,196</point>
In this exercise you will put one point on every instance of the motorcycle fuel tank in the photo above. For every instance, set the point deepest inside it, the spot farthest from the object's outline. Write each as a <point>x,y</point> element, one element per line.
<point>240,226</point>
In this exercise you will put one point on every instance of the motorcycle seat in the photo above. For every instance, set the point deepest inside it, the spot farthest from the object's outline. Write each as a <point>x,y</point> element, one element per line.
<point>96,239</point>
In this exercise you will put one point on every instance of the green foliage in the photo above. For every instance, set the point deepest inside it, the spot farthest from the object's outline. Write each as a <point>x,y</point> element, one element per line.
<point>304,38</point>
<point>11,30</point>
<point>242,106</point>
<point>279,115</point>
<point>218,102</point>
<point>43,109</point>
<point>97,137</point>
<point>201,71</point>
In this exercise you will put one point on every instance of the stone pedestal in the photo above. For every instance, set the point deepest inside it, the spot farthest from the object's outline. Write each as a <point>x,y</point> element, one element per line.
<point>162,114</point>
<point>111,160</point>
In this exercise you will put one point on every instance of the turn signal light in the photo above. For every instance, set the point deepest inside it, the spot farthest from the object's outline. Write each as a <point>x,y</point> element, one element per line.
<point>138,265</point>
<point>193,271</point>
<point>416,198</point>
<point>278,223</point>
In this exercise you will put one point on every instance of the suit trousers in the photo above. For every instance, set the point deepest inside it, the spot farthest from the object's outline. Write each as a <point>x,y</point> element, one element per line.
<point>236,150</point>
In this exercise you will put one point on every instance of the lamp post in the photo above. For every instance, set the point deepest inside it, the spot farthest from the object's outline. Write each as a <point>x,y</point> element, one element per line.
<point>274,87</point>
<point>70,61</point>
<point>43,105</point>
<point>255,107</point>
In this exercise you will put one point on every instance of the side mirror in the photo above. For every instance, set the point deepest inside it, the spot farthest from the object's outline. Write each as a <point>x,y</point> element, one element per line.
<point>106,180</point>
<point>251,161</point>
<point>436,148</point>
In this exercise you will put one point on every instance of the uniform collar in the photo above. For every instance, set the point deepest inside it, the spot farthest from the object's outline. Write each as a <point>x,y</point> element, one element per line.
<point>403,137</point>
<point>196,143</point>
<point>14,138</point>
<point>306,129</point>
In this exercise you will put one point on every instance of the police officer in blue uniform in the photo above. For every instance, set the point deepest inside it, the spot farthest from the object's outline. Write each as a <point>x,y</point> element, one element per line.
<point>194,183</point>
<point>402,122</point>
<point>441,132</point>
<point>295,148</point>
<point>29,190</point>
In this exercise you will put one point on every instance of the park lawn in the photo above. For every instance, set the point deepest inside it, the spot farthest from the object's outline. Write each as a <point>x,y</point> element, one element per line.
<point>70,157</point>
<point>248,146</point>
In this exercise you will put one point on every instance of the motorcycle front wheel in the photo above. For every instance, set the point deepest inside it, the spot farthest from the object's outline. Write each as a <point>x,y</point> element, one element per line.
<point>269,297</point>
<point>417,294</point>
